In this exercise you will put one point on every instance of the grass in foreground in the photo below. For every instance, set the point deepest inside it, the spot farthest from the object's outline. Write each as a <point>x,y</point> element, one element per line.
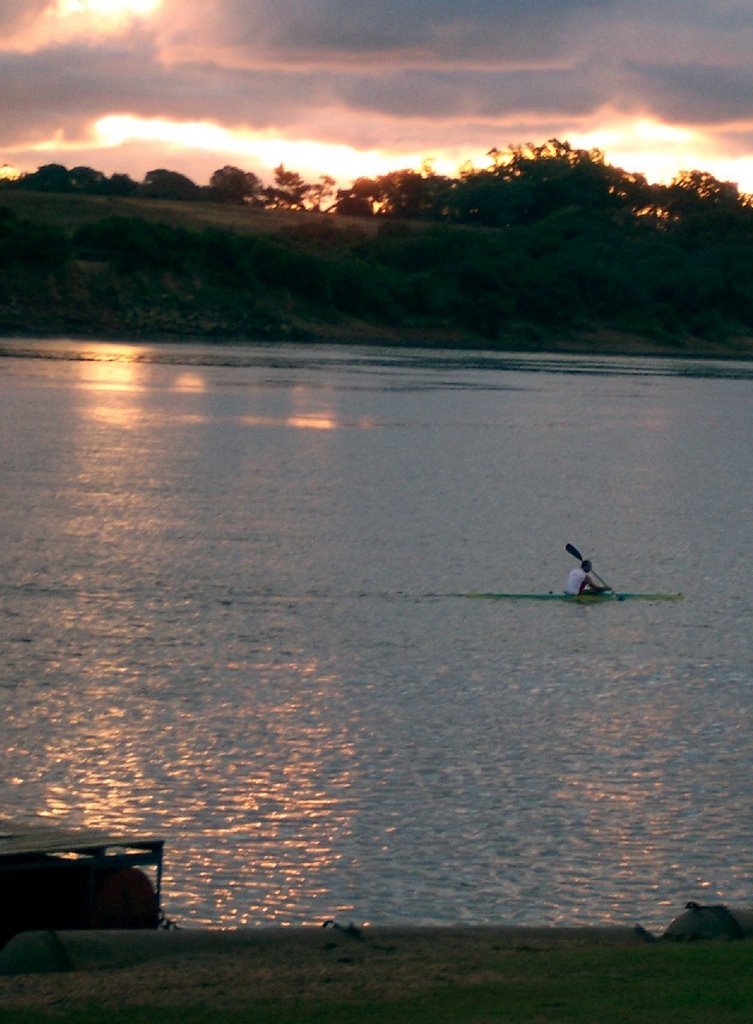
<point>651,985</point>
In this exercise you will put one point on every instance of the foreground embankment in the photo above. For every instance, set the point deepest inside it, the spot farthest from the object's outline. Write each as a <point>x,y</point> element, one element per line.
<point>448,974</point>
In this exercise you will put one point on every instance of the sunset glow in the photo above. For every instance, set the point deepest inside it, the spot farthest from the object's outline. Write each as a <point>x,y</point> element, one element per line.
<point>657,150</point>
<point>116,9</point>
<point>67,22</point>
<point>255,148</point>
<point>660,151</point>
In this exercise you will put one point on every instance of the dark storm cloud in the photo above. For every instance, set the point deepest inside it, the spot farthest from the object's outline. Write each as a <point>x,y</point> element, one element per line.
<point>689,93</point>
<point>488,30</point>
<point>430,30</point>
<point>429,58</point>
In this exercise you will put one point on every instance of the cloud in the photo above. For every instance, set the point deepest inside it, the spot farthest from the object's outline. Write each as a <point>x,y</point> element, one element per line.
<point>697,94</point>
<point>408,77</point>
<point>16,12</point>
<point>452,33</point>
<point>337,32</point>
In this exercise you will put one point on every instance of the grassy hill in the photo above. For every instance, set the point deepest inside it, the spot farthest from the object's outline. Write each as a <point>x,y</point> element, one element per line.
<point>69,212</point>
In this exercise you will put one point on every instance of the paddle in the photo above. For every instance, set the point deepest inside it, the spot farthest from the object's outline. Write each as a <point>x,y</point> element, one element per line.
<point>572,550</point>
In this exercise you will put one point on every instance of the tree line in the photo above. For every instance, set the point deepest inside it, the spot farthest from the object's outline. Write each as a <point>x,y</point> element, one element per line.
<point>226,185</point>
<point>522,185</point>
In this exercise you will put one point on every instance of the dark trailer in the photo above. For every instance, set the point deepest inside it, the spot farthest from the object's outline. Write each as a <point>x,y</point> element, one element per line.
<point>60,878</point>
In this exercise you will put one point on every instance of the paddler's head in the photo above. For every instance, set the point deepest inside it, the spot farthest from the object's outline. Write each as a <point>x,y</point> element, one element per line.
<point>585,566</point>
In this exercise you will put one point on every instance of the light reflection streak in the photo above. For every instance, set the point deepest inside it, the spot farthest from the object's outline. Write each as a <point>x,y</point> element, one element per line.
<point>308,421</point>
<point>313,422</point>
<point>128,417</point>
<point>189,382</point>
<point>113,367</point>
<point>123,417</point>
<point>262,835</point>
<point>282,820</point>
<point>99,773</point>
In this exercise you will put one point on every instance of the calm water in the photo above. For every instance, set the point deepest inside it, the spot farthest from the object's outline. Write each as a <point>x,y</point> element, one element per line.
<point>231,616</point>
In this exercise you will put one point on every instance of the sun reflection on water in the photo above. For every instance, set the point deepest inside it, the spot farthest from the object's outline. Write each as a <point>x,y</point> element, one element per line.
<point>313,421</point>
<point>255,835</point>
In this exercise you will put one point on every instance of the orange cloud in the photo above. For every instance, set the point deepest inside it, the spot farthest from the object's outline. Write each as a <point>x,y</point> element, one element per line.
<point>65,21</point>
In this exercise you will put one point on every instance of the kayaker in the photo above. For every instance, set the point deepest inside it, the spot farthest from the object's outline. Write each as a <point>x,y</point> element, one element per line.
<point>580,581</point>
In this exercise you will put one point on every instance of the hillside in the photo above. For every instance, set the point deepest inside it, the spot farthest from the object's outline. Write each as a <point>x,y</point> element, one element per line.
<point>70,211</point>
<point>574,280</point>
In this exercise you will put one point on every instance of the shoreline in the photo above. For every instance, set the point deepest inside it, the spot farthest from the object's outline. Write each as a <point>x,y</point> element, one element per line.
<point>597,344</point>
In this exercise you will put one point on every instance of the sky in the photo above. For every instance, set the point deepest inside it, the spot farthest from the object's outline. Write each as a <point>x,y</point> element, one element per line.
<point>348,89</point>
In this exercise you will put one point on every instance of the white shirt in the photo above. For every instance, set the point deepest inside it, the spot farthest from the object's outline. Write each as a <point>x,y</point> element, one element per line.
<point>574,581</point>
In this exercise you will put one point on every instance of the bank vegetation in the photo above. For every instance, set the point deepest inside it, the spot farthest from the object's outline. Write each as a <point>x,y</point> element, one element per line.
<point>549,247</point>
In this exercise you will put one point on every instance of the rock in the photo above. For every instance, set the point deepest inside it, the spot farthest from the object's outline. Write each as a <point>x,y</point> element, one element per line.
<point>713,921</point>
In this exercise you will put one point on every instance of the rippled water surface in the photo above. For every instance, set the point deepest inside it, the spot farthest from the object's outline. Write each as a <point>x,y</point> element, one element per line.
<point>232,615</point>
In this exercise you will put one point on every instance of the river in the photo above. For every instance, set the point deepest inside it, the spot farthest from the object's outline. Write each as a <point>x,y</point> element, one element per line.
<point>233,616</point>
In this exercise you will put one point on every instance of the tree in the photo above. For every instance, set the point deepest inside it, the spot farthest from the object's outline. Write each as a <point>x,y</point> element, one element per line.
<point>319,193</point>
<point>120,185</point>
<point>530,183</point>
<point>288,192</point>
<point>162,184</point>
<point>48,178</point>
<point>362,199</point>
<point>413,195</point>
<point>699,207</point>
<point>691,191</point>
<point>86,179</point>
<point>232,185</point>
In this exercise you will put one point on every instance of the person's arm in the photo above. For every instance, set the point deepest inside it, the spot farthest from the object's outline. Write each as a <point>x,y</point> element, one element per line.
<point>589,584</point>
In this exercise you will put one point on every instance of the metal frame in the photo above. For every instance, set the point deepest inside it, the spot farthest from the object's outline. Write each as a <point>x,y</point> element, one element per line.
<point>41,848</point>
